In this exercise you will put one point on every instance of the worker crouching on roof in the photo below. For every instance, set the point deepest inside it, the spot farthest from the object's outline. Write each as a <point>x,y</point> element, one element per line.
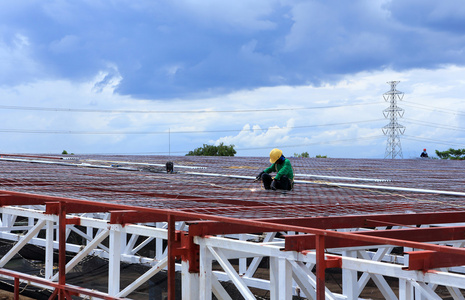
<point>424,153</point>
<point>284,179</point>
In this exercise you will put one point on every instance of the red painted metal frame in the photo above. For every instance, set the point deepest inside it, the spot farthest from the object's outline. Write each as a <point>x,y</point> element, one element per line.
<point>171,257</point>
<point>218,206</point>
<point>426,260</point>
<point>306,242</point>
<point>357,221</point>
<point>16,288</point>
<point>123,214</point>
<point>320,267</point>
<point>62,250</point>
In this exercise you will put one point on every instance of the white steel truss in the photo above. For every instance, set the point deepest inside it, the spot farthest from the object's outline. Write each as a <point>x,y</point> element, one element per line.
<point>290,272</point>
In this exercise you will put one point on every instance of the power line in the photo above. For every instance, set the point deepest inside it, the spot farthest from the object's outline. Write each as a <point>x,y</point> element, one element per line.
<point>319,143</point>
<point>116,132</point>
<point>265,147</point>
<point>83,110</point>
<point>432,108</point>
<point>415,138</point>
<point>408,137</point>
<point>378,137</point>
<point>435,125</point>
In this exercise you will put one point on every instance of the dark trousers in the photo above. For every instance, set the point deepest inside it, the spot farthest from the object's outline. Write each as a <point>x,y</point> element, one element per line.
<point>282,184</point>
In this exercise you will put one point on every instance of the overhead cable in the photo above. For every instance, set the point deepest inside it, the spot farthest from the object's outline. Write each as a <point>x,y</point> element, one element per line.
<point>377,137</point>
<point>435,125</point>
<point>336,141</point>
<point>84,110</point>
<point>415,138</point>
<point>432,108</point>
<point>175,132</point>
<point>260,148</point>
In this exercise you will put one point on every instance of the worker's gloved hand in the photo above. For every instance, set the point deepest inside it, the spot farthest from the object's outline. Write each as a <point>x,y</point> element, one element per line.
<point>259,176</point>
<point>274,183</point>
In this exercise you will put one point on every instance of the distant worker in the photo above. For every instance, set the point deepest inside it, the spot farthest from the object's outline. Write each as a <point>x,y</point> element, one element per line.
<point>284,179</point>
<point>424,154</point>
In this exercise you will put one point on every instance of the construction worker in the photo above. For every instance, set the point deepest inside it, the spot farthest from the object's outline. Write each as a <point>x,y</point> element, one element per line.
<point>424,154</point>
<point>284,179</point>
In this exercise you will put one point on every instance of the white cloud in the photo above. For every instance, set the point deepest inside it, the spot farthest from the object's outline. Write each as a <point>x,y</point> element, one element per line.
<point>252,137</point>
<point>107,81</point>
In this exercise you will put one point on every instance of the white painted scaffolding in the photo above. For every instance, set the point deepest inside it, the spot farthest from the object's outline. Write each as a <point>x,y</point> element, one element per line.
<point>400,260</point>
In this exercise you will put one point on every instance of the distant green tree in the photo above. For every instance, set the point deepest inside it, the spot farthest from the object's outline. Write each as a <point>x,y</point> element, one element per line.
<point>64,152</point>
<point>211,150</point>
<point>456,154</point>
<point>321,156</point>
<point>303,154</point>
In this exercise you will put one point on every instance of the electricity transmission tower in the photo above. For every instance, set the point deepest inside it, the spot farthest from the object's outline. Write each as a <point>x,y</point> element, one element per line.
<point>393,130</point>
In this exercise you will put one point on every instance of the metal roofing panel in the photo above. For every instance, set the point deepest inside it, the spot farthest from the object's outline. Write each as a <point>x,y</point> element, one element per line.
<point>109,179</point>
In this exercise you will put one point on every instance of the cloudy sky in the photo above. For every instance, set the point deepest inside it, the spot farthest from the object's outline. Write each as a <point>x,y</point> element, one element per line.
<point>167,76</point>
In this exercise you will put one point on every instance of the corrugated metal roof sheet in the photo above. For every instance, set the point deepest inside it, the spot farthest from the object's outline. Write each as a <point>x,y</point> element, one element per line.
<point>151,186</point>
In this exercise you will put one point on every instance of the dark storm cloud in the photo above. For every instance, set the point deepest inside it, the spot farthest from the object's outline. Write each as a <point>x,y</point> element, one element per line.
<point>164,49</point>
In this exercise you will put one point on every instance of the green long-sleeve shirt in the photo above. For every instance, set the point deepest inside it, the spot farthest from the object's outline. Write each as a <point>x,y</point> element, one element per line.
<point>281,169</point>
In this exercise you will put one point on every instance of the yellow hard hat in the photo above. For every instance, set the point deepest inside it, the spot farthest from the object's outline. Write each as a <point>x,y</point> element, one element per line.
<point>275,154</point>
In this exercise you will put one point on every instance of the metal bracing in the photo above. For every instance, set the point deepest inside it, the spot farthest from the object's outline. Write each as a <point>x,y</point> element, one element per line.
<point>219,256</point>
<point>253,266</point>
<point>84,252</point>
<point>379,280</point>
<point>304,278</point>
<point>22,241</point>
<point>112,253</point>
<point>144,278</point>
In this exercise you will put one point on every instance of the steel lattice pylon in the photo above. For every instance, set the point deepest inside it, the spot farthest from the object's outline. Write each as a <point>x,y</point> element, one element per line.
<point>393,130</point>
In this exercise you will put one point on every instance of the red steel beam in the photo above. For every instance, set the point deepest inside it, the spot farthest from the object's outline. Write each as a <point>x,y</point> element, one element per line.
<point>426,260</point>
<point>171,258</point>
<point>16,289</point>
<point>344,235</point>
<point>14,198</point>
<point>308,241</point>
<point>374,220</point>
<point>62,244</point>
<point>76,206</point>
<point>55,285</point>
<point>320,267</point>
<point>52,208</point>
<point>8,199</point>
<point>336,222</point>
<point>204,228</point>
<point>136,216</point>
<point>142,215</point>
